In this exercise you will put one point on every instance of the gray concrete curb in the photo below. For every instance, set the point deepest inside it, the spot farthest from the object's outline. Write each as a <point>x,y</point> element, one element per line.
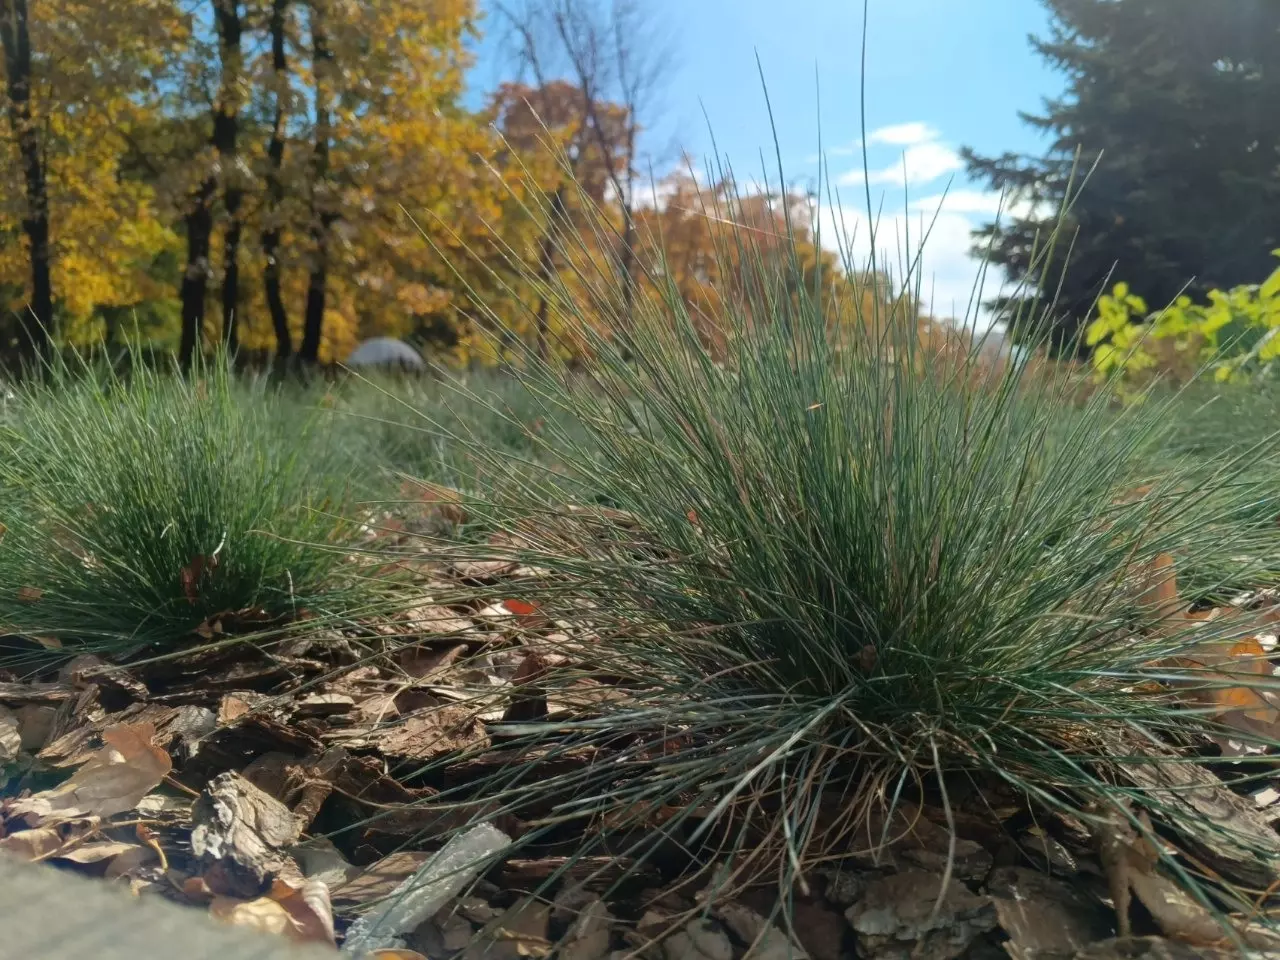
<point>49,914</point>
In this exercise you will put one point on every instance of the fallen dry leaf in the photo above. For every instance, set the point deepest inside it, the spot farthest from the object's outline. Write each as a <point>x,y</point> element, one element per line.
<point>30,594</point>
<point>422,662</point>
<point>114,780</point>
<point>434,620</point>
<point>98,851</point>
<point>45,842</point>
<point>231,708</point>
<point>1160,588</point>
<point>131,860</point>
<point>1226,671</point>
<point>521,608</point>
<point>35,725</point>
<point>528,691</point>
<point>445,502</point>
<point>193,572</point>
<point>1130,860</point>
<point>301,913</point>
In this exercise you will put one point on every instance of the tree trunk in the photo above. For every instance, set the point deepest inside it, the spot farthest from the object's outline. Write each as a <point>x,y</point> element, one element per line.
<point>275,187</point>
<point>322,216</point>
<point>226,128</point>
<point>628,260</point>
<point>546,270</point>
<point>34,327</point>
<point>195,280</point>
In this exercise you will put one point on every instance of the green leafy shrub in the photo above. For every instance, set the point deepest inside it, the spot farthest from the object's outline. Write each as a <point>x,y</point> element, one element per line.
<point>1235,333</point>
<point>136,509</point>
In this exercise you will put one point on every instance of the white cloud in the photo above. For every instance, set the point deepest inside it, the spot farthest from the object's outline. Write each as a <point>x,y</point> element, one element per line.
<point>897,135</point>
<point>903,134</point>
<point>943,263</point>
<point>960,201</point>
<point>979,202</point>
<point>921,163</point>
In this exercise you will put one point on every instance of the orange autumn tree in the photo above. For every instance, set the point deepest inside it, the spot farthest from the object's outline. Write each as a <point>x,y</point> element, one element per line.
<point>562,221</point>
<point>696,235</point>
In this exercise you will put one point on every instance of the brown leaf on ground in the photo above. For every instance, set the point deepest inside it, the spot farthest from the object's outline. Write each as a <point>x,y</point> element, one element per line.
<point>301,784</point>
<point>301,913</point>
<point>433,620</point>
<point>529,693</point>
<point>30,594</point>
<point>1240,844</point>
<point>483,571</point>
<point>125,770</point>
<point>232,707</point>
<point>239,834</point>
<point>46,842</point>
<point>1244,706</point>
<point>35,725</point>
<point>1131,863</point>
<point>98,851</point>
<point>1159,585</point>
<point>1231,675</point>
<point>128,863</point>
<point>441,501</point>
<point>522,931</point>
<point>194,572</point>
<point>421,662</point>
<point>78,736</point>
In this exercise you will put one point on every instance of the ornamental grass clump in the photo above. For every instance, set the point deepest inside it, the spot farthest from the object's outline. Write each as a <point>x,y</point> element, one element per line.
<point>849,577</point>
<point>138,507</point>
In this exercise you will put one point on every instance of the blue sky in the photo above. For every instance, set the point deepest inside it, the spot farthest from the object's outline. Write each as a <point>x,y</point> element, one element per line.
<point>939,74</point>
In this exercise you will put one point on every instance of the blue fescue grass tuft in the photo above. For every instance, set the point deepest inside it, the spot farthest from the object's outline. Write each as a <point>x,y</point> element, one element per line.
<point>858,570</point>
<point>138,507</point>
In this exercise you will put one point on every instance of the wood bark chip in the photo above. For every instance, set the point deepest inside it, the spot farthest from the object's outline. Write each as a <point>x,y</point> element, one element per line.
<point>430,734</point>
<point>1238,843</point>
<point>1043,915</point>
<point>239,834</point>
<point>899,916</point>
<point>10,736</point>
<point>1131,861</point>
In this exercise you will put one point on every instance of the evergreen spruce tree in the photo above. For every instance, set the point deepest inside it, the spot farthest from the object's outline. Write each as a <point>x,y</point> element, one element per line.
<point>1173,109</point>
